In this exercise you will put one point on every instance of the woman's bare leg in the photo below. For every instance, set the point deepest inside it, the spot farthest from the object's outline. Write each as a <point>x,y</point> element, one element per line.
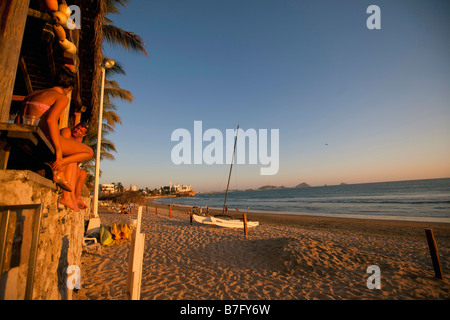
<point>68,198</point>
<point>74,151</point>
<point>81,177</point>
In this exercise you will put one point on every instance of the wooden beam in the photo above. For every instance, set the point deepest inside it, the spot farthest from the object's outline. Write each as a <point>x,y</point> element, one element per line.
<point>135,257</point>
<point>18,98</point>
<point>39,15</point>
<point>434,254</point>
<point>245,225</point>
<point>13,16</point>
<point>25,74</point>
<point>51,61</point>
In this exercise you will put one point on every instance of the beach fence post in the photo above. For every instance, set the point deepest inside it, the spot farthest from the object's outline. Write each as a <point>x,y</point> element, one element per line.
<point>245,225</point>
<point>170,211</point>
<point>190,216</point>
<point>156,210</point>
<point>434,254</point>
<point>135,257</point>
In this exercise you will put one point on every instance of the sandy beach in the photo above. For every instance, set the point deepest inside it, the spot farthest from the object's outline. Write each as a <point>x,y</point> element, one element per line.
<point>285,258</point>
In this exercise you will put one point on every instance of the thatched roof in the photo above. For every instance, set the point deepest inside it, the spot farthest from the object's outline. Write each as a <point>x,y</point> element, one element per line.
<point>130,196</point>
<point>41,56</point>
<point>125,197</point>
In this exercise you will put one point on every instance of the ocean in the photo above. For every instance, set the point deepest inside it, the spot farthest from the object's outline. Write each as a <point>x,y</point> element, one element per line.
<point>418,200</point>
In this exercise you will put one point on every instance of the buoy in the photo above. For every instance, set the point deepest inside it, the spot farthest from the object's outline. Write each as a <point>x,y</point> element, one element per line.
<point>68,46</point>
<point>52,4</point>
<point>59,17</point>
<point>60,32</point>
<point>71,67</point>
<point>64,8</point>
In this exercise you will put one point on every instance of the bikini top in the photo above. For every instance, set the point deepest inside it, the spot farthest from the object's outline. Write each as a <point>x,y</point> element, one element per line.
<point>42,106</point>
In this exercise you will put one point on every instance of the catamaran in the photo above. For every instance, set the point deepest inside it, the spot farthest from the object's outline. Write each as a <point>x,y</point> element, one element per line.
<point>225,220</point>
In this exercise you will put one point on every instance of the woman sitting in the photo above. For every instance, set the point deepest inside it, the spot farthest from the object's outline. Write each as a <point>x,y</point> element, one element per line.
<point>49,104</point>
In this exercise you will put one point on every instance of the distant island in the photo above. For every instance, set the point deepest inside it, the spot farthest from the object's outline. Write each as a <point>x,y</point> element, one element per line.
<point>268,187</point>
<point>303,185</point>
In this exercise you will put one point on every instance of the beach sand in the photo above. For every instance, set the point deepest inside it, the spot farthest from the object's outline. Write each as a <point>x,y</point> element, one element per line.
<point>285,258</point>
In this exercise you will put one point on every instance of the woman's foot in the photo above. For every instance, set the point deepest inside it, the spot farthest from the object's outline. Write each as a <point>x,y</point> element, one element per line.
<point>81,204</point>
<point>69,204</point>
<point>59,179</point>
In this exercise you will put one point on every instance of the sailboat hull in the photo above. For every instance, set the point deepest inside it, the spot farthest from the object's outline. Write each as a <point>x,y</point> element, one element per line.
<point>233,223</point>
<point>226,223</point>
<point>202,219</point>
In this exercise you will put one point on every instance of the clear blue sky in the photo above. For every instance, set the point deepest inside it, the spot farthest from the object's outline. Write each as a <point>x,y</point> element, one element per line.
<point>351,104</point>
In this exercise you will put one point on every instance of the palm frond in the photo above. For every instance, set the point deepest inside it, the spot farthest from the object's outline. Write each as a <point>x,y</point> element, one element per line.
<point>118,93</point>
<point>116,36</point>
<point>117,69</point>
<point>112,6</point>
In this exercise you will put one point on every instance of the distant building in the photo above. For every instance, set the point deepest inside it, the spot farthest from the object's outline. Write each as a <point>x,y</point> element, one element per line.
<point>107,188</point>
<point>177,188</point>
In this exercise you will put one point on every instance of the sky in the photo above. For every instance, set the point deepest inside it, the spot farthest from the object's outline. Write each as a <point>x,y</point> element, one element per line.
<point>351,104</point>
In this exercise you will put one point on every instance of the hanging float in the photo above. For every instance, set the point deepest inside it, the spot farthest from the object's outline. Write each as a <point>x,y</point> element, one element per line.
<point>64,8</point>
<point>71,67</point>
<point>59,18</point>
<point>68,46</point>
<point>59,32</point>
<point>52,5</point>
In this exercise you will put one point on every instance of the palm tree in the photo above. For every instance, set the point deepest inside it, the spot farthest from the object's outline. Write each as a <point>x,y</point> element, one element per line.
<point>120,187</point>
<point>117,37</point>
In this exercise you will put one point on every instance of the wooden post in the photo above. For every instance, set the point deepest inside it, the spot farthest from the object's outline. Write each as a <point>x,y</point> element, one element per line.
<point>64,119</point>
<point>170,211</point>
<point>13,16</point>
<point>135,257</point>
<point>190,215</point>
<point>434,254</point>
<point>156,210</point>
<point>245,226</point>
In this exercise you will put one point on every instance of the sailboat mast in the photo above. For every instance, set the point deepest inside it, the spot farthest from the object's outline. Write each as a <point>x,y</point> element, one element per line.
<point>231,167</point>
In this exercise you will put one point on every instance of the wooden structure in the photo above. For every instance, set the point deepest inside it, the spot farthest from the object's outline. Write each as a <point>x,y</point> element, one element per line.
<point>24,220</point>
<point>26,144</point>
<point>30,56</point>
<point>135,257</point>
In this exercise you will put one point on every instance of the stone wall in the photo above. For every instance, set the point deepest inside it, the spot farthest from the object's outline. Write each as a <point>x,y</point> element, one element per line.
<point>60,238</point>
